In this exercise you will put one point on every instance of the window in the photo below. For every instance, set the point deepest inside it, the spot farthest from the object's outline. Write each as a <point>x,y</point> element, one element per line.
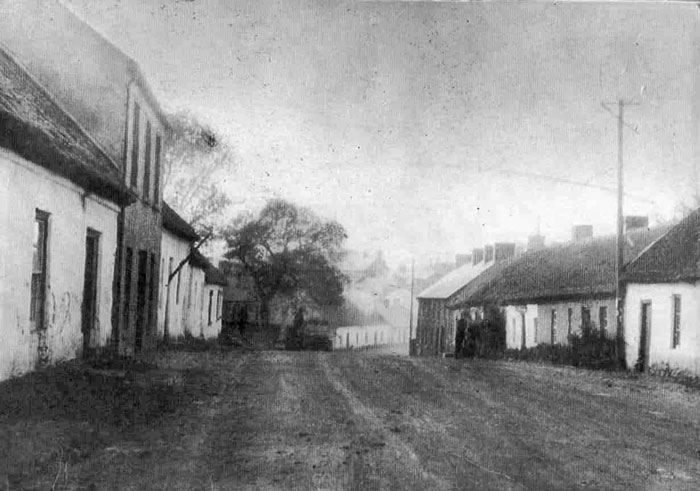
<point>676,341</point>
<point>189,289</point>
<point>156,184</point>
<point>211,298</point>
<point>147,165</point>
<point>218,305</point>
<point>569,317</point>
<point>38,287</point>
<point>152,299</point>
<point>585,317</point>
<point>127,288</point>
<point>135,147</point>
<point>554,326</point>
<point>603,318</point>
<point>536,325</point>
<point>177,290</point>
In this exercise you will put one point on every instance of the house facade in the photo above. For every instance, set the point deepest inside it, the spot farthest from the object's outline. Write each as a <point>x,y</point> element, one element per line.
<point>662,302</point>
<point>211,299</point>
<point>106,93</point>
<point>58,228</point>
<point>548,294</point>
<point>436,323</point>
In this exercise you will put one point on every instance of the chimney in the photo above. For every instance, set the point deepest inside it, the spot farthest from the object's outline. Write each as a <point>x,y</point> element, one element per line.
<point>535,242</point>
<point>503,251</point>
<point>462,259</point>
<point>477,256</point>
<point>634,222</point>
<point>488,253</point>
<point>579,233</point>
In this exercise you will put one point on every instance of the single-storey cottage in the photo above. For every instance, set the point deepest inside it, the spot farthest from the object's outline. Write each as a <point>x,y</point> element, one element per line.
<point>662,301</point>
<point>59,209</point>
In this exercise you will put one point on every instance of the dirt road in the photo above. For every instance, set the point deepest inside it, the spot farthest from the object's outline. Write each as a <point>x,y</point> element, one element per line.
<point>360,421</point>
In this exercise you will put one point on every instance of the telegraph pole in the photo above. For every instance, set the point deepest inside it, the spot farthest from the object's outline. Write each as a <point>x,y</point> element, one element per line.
<point>410,314</point>
<point>620,240</point>
<point>619,263</point>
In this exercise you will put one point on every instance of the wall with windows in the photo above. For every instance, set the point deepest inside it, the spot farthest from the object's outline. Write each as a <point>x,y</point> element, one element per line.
<point>175,297</point>
<point>682,354</point>
<point>28,188</point>
<point>516,315</point>
<point>211,310</point>
<point>568,318</point>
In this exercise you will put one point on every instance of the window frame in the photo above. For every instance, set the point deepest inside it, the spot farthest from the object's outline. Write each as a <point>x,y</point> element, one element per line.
<point>135,146</point>
<point>39,280</point>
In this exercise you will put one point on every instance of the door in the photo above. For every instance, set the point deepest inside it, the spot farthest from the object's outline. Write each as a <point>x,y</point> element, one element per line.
<point>89,306</point>
<point>141,308</point>
<point>644,332</point>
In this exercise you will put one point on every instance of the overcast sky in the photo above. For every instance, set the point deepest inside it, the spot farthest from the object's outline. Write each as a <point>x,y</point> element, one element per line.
<point>415,124</point>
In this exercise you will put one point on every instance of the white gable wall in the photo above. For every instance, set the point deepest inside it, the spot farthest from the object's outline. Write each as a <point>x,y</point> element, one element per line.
<point>686,356</point>
<point>514,326</point>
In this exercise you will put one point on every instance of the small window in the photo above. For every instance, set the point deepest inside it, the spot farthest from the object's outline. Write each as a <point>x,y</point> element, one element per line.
<point>603,318</point>
<point>136,136</point>
<point>676,321</point>
<point>177,289</point>
<point>211,299</point>
<point>585,317</point>
<point>218,305</point>
<point>554,326</point>
<point>147,165</point>
<point>569,317</point>
<point>39,252</point>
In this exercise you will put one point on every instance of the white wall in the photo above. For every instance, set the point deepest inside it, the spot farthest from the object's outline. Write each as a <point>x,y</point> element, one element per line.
<point>514,326</point>
<point>213,328</point>
<point>360,336</point>
<point>26,188</point>
<point>687,355</point>
<point>176,248</point>
<point>544,316</point>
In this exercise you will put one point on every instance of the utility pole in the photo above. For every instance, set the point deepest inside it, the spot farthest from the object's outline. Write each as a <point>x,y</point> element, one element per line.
<point>410,314</point>
<point>620,239</point>
<point>619,263</point>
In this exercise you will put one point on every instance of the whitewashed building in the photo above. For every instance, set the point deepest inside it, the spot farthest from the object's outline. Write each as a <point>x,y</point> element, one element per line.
<point>662,302</point>
<point>58,228</point>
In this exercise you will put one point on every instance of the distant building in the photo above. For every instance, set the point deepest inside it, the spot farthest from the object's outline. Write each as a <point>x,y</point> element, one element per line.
<point>58,228</point>
<point>435,329</point>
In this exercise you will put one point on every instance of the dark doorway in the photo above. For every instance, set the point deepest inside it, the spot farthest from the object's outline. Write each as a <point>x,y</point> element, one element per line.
<point>89,306</point>
<point>644,332</point>
<point>141,311</point>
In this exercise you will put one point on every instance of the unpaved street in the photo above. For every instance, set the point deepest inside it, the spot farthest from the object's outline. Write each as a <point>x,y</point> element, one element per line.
<point>343,420</point>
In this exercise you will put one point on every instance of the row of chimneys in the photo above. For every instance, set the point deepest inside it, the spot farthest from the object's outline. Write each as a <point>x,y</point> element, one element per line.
<point>501,251</point>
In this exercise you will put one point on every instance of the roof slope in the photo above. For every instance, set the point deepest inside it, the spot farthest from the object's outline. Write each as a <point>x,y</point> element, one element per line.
<point>673,257</point>
<point>212,274</point>
<point>176,224</point>
<point>34,126</point>
<point>567,271</point>
<point>453,281</point>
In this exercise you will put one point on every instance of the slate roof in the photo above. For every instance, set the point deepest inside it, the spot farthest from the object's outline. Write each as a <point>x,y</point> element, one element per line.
<point>453,281</point>
<point>212,274</point>
<point>673,257</point>
<point>174,223</point>
<point>575,270</point>
<point>35,127</point>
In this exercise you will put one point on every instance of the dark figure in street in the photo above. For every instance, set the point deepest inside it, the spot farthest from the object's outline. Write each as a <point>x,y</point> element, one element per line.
<point>460,335</point>
<point>242,320</point>
<point>294,336</point>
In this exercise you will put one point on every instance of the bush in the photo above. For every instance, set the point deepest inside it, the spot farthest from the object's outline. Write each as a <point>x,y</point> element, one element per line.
<point>589,349</point>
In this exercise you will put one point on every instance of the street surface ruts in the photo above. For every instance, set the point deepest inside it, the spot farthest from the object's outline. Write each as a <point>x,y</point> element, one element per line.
<point>363,421</point>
